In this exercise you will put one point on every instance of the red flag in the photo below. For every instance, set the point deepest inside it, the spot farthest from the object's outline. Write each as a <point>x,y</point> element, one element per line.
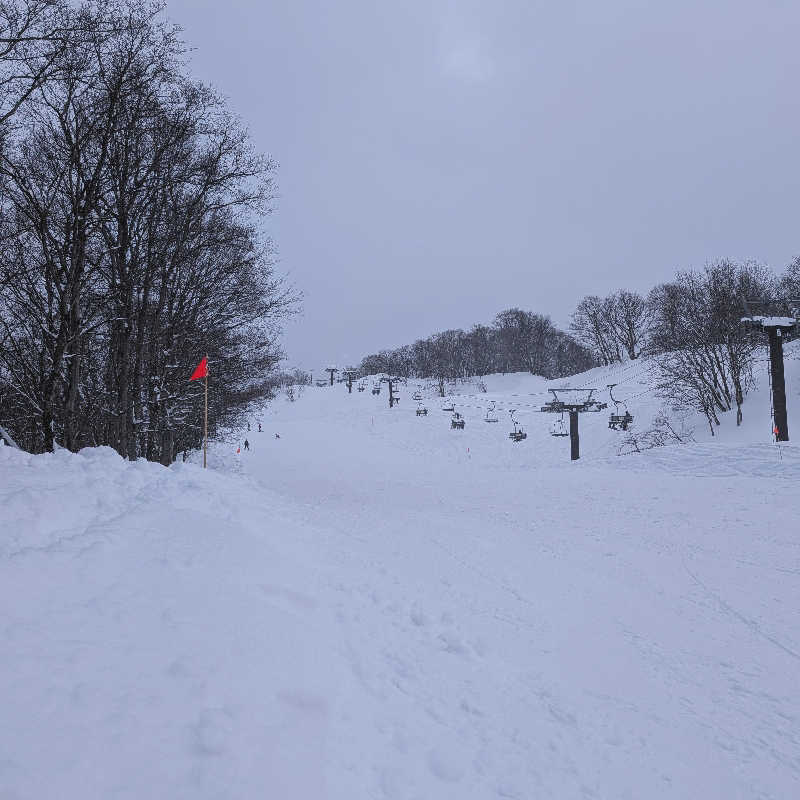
<point>201,370</point>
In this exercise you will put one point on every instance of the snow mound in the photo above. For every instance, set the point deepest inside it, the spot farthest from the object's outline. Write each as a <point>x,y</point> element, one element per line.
<point>157,642</point>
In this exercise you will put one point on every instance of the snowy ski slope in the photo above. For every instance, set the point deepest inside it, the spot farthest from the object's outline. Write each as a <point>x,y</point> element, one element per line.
<point>374,605</point>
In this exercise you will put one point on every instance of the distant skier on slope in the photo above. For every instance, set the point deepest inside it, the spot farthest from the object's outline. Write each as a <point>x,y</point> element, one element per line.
<point>246,445</point>
<point>259,427</point>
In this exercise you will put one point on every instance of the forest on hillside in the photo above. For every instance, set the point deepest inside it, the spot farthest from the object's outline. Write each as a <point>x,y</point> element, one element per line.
<point>690,327</point>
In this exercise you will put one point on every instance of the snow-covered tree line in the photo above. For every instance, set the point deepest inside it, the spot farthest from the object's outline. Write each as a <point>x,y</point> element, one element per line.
<point>516,341</point>
<point>130,242</point>
<point>691,328</point>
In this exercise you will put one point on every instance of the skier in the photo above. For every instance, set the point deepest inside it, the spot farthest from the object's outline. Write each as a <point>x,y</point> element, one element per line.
<point>277,436</point>
<point>259,427</point>
<point>246,445</point>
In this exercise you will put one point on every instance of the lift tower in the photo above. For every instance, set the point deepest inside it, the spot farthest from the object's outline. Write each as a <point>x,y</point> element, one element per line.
<point>573,402</point>
<point>349,374</point>
<point>777,319</point>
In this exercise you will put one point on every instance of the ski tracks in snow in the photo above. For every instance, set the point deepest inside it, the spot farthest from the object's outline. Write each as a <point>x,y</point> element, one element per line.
<point>538,625</point>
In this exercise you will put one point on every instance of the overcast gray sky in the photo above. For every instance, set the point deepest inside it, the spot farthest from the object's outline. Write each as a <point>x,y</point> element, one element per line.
<point>441,160</point>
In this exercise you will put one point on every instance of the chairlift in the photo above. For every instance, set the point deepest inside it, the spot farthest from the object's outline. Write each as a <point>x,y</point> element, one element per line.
<point>457,421</point>
<point>449,408</point>
<point>559,427</point>
<point>421,410</point>
<point>376,389</point>
<point>416,396</point>
<point>490,415</point>
<point>361,387</point>
<point>559,406</point>
<point>518,434</point>
<point>617,421</point>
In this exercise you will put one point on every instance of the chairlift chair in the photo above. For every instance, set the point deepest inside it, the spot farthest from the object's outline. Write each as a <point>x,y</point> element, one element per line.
<point>620,422</point>
<point>416,396</point>
<point>361,387</point>
<point>490,415</point>
<point>421,410</point>
<point>518,434</point>
<point>559,427</point>
<point>376,389</point>
<point>457,421</point>
<point>449,408</point>
<point>617,421</point>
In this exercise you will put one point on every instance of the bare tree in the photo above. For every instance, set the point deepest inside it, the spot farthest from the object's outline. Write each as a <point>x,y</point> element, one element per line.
<point>703,357</point>
<point>524,338</point>
<point>630,316</point>
<point>519,340</point>
<point>593,325</point>
<point>481,347</point>
<point>789,285</point>
<point>612,325</point>
<point>130,247</point>
<point>34,35</point>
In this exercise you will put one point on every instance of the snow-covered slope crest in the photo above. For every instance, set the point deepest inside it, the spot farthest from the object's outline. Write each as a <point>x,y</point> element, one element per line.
<point>155,640</point>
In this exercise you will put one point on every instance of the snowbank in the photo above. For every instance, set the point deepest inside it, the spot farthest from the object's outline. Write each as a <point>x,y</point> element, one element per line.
<point>157,640</point>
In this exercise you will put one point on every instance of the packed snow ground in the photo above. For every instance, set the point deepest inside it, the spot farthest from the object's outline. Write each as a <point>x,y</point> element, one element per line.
<point>376,606</point>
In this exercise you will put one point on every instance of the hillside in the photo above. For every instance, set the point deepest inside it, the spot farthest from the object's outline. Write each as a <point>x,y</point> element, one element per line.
<point>374,605</point>
<point>526,394</point>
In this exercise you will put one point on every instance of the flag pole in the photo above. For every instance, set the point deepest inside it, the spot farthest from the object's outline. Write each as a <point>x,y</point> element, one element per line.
<point>205,424</point>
